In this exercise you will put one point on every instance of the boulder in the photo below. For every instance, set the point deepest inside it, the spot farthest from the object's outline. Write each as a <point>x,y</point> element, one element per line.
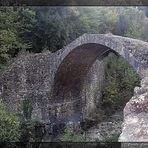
<point>135,125</point>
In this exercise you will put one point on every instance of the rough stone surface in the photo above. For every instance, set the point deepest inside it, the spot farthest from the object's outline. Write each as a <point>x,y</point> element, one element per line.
<point>39,76</point>
<point>108,130</point>
<point>135,126</point>
<point>92,87</point>
<point>133,50</point>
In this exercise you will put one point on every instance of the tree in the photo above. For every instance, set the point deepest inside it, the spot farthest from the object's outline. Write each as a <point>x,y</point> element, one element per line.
<point>122,25</point>
<point>54,28</point>
<point>70,135</point>
<point>120,81</point>
<point>15,26</point>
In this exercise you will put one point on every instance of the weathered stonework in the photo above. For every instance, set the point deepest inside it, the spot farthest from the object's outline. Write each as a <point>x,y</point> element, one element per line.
<point>66,72</point>
<point>92,87</point>
<point>28,77</point>
<point>133,50</point>
<point>135,126</point>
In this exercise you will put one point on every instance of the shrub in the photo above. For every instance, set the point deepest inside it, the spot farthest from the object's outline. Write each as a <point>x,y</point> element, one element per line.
<point>9,126</point>
<point>120,81</point>
<point>70,136</point>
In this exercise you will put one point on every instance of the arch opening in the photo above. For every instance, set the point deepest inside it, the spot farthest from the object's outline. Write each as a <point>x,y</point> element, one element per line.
<point>70,76</point>
<point>71,72</point>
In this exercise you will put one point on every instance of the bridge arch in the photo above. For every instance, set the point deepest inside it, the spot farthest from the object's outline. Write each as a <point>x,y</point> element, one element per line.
<point>71,72</point>
<point>129,49</point>
<point>35,76</point>
<point>76,59</point>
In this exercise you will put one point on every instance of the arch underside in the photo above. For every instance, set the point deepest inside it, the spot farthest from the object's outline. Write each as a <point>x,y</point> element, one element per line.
<point>71,72</point>
<point>70,76</point>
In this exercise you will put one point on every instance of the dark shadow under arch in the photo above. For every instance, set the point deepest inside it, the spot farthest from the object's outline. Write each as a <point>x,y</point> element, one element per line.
<point>69,77</point>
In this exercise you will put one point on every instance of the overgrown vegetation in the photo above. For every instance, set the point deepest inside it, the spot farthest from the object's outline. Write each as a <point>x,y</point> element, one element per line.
<point>120,81</point>
<point>9,126</point>
<point>18,127</point>
<point>70,136</point>
<point>50,28</point>
<point>35,29</point>
<point>15,28</point>
<point>31,130</point>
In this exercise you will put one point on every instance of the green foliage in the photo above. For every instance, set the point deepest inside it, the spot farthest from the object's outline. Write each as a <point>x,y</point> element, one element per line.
<point>125,21</point>
<point>135,20</point>
<point>113,138</point>
<point>120,80</point>
<point>15,25</point>
<point>56,26</point>
<point>31,131</point>
<point>26,124</point>
<point>70,136</point>
<point>9,126</point>
<point>111,95</point>
<point>27,109</point>
<point>51,28</point>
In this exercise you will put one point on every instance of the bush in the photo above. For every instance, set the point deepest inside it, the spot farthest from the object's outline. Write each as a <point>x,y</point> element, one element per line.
<point>70,136</point>
<point>9,126</point>
<point>120,81</point>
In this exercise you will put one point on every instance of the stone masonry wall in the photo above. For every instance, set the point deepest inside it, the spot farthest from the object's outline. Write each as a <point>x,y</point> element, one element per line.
<point>28,77</point>
<point>93,84</point>
<point>32,77</point>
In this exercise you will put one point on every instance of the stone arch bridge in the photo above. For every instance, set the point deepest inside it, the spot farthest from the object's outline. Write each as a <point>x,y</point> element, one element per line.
<point>64,83</point>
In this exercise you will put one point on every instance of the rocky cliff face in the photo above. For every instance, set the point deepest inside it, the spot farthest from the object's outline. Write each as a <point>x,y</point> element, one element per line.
<point>135,126</point>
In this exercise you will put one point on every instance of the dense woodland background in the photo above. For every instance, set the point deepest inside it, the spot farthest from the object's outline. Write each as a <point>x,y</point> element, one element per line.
<point>37,29</point>
<point>29,30</point>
